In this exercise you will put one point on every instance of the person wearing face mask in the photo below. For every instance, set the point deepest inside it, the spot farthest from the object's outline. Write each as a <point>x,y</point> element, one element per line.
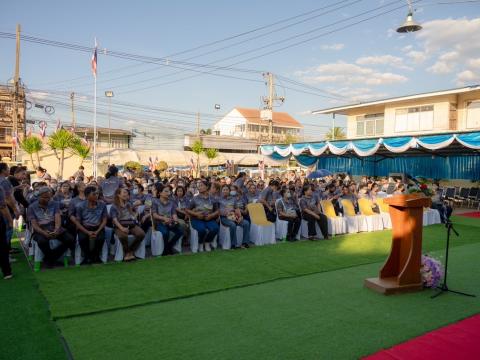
<point>288,211</point>
<point>165,216</point>
<point>5,223</point>
<point>231,217</point>
<point>46,220</point>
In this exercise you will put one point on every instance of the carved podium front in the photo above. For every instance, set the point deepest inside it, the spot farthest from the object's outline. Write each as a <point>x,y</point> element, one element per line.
<point>401,271</point>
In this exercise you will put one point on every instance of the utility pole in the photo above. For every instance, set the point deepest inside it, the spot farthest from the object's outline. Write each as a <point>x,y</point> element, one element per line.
<point>15,96</point>
<point>198,136</point>
<point>269,104</point>
<point>74,123</point>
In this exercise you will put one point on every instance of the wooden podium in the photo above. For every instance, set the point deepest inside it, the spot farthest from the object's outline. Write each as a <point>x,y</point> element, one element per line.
<point>401,271</point>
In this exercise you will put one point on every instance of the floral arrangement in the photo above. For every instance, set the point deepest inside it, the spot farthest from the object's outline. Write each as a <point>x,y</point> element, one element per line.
<point>432,271</point>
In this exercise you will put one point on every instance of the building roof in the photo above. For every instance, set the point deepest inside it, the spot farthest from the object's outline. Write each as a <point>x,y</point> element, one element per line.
<point>103,130</point>
<point>344,109</point>
<point>279,118</point>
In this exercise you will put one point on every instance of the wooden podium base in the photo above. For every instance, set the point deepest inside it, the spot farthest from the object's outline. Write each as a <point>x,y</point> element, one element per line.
<point>389,286</point>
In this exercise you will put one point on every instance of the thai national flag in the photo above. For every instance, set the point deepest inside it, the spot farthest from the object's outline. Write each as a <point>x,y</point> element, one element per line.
<point>94,60</point>
<point>43,129</point>
<point>15,139</point>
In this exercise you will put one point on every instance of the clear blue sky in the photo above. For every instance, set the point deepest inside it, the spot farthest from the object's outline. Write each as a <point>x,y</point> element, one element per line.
<point>362,62</point>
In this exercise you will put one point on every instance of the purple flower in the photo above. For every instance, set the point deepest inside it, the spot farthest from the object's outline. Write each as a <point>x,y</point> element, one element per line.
<point>431,271</point>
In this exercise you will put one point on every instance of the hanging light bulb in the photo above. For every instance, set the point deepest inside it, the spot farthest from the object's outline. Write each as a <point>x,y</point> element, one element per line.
<point>409,25</point>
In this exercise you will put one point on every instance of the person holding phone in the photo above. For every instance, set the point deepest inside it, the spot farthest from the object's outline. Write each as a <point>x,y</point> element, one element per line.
<point>125,223</point>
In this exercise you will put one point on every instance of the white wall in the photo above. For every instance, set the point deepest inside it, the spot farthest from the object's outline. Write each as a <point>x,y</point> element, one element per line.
<point>226,126</point>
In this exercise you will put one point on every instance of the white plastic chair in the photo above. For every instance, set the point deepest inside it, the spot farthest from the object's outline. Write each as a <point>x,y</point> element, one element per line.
<point>224,236</point>
<point>304,230</point>
<point>431,217</point>
<point>262,231</point>
<point>38,254</point>
<point>374,220</point>
<point>355,223</point>
<point>336,224</point>
<point>139,253</point>
<point>384,213</point>
<point>194,246</point>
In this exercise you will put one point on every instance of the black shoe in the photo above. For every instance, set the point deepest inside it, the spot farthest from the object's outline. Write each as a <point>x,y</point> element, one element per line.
<point>246,246</point>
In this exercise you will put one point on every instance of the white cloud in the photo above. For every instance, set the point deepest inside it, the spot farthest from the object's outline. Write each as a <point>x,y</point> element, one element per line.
<point>361,94</point>
<point>417,57</point>
<point>342,73</point>
<point>467,77</point>
<point>474,63</point>
<point>389,60</point>
<point>453,46</point>
<point>334,47</point>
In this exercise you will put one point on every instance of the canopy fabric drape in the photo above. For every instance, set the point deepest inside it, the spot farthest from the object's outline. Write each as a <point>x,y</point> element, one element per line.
<point>368,147</point>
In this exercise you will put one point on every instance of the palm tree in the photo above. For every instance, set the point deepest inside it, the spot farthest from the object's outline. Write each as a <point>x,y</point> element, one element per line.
<point>197,148</point>
<point>32,145</point>
<point>80,149</point>
<point>211,155</point>
<point>337,134</point>
<point>60,141</point>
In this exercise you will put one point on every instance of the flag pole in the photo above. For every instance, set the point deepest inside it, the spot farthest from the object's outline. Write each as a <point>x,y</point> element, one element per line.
<point>94,69</point>
<point>95,129</point>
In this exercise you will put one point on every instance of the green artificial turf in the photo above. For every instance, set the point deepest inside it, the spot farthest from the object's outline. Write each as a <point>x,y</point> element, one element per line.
<point>26,331</point>
<point>464,220</point>
<point>328,315</point>
<point>76,291</point>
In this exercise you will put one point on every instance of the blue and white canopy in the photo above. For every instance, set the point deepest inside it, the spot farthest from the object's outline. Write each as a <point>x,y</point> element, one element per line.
<point>369,147</point>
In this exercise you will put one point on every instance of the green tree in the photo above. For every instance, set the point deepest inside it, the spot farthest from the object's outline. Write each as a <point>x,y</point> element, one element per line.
<point>80,149</point>
<point>60,141</point>
<point>211,154</point>
<point>337,134</point>
<point>32,145</point>
<point>206,132</point>
<point>197,148</point>
<point>134,165</point>
<point>290,139</point>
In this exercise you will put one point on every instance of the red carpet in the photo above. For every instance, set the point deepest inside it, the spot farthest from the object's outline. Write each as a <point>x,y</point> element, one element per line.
<point>457,341</point>
<point>474,214</point>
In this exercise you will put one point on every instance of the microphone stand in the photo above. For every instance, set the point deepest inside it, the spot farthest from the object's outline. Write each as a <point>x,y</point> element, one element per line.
<point>444,288</point>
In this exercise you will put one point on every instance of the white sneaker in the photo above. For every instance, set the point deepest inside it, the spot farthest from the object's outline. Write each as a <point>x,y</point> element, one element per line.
<point>207,247</point>
<point>200,247</point>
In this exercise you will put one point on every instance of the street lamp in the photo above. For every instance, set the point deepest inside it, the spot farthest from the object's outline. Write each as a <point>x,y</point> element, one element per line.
<point>109,95</point>
<point>409,25</point>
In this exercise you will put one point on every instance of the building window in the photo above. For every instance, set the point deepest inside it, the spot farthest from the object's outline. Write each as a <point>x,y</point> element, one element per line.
<point>418,118</point>
<point>5,134</point>
<point>473,114</point>
<point>370,125</point>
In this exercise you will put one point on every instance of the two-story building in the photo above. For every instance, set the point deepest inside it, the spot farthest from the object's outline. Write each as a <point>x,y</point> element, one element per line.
<point>117,138</point>
<point>433,135</point>
<point>247,123</point>
<point>420,114</point>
